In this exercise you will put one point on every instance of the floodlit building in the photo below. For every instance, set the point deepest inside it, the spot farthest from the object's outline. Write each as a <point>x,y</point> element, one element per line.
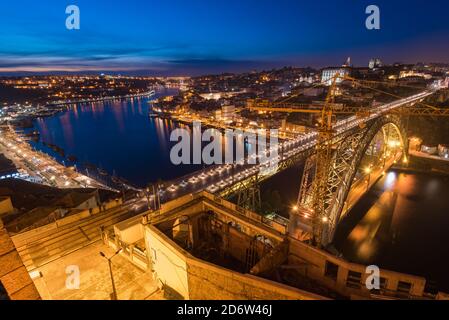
<point>228,113</point>
<point>375,63</point>
<point>291,127</point>
<point>218,115</point>
<point>327,75</point>
<point>443,151</point>
<point>429,149</point>
<point>414,74</point>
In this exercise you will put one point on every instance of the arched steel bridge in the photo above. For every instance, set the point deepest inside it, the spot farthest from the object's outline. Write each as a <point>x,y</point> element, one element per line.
<point>351,139</point>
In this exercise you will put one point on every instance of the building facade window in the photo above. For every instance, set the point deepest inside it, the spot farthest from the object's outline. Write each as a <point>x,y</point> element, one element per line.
<point>331,271</point>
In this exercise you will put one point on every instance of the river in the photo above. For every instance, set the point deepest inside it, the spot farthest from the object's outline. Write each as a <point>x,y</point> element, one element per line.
<point>118,137</point>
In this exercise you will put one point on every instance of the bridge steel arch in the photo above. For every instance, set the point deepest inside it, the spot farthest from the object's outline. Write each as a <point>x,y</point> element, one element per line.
<point>346,161</point>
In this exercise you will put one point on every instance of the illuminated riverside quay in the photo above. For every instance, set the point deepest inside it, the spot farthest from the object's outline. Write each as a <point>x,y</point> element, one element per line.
<point>38,165</point>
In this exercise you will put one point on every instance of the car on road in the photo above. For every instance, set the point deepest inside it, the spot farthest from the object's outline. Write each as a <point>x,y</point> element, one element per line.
<point>172,188</point>
<point>212,189</point>
<point>212,173</point>
<point>193,180</point>
<point>183,184</point>
<point>222,184</point>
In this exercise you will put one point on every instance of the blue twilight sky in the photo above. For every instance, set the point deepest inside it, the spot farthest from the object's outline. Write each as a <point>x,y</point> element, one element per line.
<point>182,37</point>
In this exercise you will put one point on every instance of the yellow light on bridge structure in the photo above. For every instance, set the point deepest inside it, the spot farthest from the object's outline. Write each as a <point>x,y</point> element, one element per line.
<point>368,170</point>
<point>394,144</point>
<point>325,220</point>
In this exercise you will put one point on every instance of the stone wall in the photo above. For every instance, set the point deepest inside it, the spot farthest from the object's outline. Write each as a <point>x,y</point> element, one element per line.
<point>5,206</point>
<point>13,276</point>
<point>195,279</point>
<point>168,262</point>
<point>210,282</point>
<point>315,262</point>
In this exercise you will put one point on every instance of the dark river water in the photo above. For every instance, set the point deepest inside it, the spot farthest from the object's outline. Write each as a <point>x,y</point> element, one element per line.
<point>402,224</point>
<point>117,137</point>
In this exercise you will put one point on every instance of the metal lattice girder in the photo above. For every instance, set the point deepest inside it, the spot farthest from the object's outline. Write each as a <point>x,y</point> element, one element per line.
<point>291,161</point>
<point>306,189</point>
<point>249,197</point>
<point>345,164</point>
<point>348,151</point>
<point>411,110</point>
<point>343,144</point>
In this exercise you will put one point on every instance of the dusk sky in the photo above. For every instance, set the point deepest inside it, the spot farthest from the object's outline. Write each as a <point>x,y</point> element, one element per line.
<point>188,37</point>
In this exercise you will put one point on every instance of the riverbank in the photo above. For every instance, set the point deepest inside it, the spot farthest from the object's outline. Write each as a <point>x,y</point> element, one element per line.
<point>41,166</point>
<point>148,94</point>
<point>424,165</point>
<point>113,142</point>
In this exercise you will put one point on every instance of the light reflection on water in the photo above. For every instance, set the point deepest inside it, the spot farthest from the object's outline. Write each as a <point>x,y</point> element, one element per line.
<point>402,224</point>
<point>117,137</point>
<point>390,180</point>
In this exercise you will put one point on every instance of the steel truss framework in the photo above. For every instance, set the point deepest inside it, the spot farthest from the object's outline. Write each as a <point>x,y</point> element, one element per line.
<point>346,157</point>
<point>249,196</point>
<point>330,173</point>
<point>291,161</point>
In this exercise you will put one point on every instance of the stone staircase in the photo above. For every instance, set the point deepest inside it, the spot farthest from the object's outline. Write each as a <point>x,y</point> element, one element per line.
<point>39,248</point>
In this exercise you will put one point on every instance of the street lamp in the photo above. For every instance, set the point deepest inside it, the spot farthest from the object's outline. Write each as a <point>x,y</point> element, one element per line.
<point>114,291</point>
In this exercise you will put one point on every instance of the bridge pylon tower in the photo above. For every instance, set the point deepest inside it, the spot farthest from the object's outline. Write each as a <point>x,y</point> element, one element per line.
<point>323,158</point>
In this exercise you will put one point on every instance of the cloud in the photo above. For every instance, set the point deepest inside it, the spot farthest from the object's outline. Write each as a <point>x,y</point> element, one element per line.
<point>122,60</point>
